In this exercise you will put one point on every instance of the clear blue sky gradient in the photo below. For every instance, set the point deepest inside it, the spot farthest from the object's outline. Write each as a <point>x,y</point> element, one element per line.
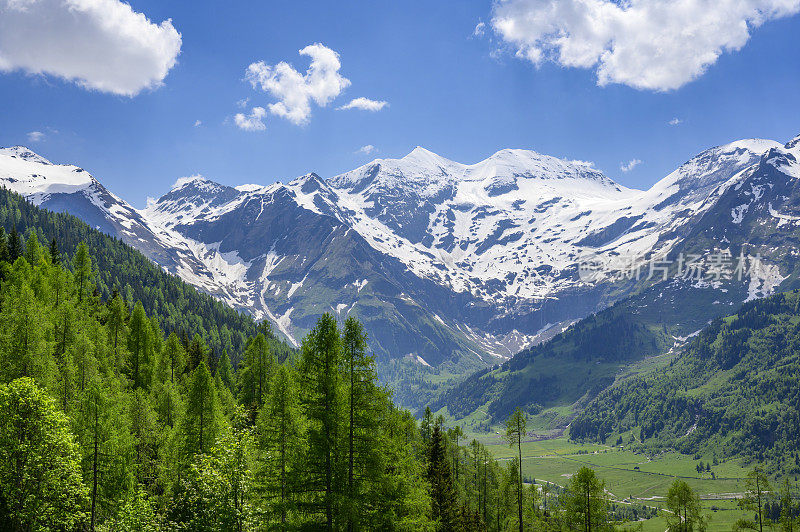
<point>447,91</point>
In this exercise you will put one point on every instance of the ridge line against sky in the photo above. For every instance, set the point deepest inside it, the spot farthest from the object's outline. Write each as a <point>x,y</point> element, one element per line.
<point>155,90</point>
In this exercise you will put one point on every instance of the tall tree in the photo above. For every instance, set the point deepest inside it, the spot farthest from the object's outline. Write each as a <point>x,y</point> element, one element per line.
<point>82,266</point>
<point>256,372</point>
<point>364,399</point>
<point>584,504</point>
<point>321,388</point>
<point>757,484</point>
<point>139,347</point>
<point>444,507</point>
<point>202,422</point>
<point>225,370</point>
<point>515,433</point>
<point>14,246</point>
<point>684,504</point>
<point>55,254</point>
<point>116,321</point>
<point>280,430</point>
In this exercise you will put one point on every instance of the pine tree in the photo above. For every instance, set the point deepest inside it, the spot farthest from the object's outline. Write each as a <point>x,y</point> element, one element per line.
<point>758,485</point>
<point>33,251</point>
<point>116,321</point>
<point>321,388</point>
<point>4,256</point>
<point>173,359</point>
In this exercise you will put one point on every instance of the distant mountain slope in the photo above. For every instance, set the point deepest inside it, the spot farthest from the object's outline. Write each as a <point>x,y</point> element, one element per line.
<point>755,215</point>
<point>734,389</point>
<point>179,306</point>
<point>448,265</point>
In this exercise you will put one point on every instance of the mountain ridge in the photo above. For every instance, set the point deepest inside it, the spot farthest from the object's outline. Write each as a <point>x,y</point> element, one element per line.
<point>445,263</point>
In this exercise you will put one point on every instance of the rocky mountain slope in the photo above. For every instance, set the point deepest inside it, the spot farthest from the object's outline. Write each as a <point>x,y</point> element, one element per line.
<point>447,264</point>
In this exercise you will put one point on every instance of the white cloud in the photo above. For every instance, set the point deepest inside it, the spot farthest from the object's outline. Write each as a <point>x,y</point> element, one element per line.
<point>252,122</point>
<point>630,165</point>
<point>368,149</point>
<point>675,121</point>
<point>99,44</point>
<point>321,83</point>
<point>243,103</point>
<point>365,104</point>
<point>480,29</point>
<point>198,123</point>
<point>35,136</point>
<point>647,44</point>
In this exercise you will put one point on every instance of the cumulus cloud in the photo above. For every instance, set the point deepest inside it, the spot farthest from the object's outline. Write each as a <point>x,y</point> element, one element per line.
<point>295,91</point>
<point>252,122</point>
<point>647,44</point>
<point>365,104</point>
<point>367,150</point>
<point>675,121</point>
<point>99,44</point>
<point>480,29</point>
<point>198,123</point>
<point>630,165</point>
<point>35,136</point>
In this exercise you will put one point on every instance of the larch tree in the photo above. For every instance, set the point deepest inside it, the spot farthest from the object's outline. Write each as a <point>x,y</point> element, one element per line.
<point>279,439</point>
<point>202,421</point>
<point>515,433</point>
<point>321,392</point>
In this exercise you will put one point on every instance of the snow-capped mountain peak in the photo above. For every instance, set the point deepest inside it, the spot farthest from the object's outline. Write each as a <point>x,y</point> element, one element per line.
<point>22,152</point>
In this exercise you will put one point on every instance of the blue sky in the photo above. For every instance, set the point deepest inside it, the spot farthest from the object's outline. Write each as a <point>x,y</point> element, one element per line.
<point>458,94</point>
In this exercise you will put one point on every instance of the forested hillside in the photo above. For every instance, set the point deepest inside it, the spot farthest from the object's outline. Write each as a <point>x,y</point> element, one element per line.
<point>733,391</point>
<point>118,268</point>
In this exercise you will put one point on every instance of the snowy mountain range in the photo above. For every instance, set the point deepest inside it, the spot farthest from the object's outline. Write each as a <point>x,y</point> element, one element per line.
<point>445,263</point>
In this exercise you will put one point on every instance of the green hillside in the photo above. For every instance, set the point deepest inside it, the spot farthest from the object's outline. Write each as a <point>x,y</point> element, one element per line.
<point>732,392</point>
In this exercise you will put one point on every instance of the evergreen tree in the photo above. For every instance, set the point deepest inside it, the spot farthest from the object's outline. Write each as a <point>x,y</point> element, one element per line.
<point>139,347</point>
<point>4,256</point>
<point>686,510</point>
<point>444,509</point>
<point>202,422</point>
<point>255,373</point>
<point>757,484</point>
<point>33,251</point>
<point>14,246</point>
<point>225,371</point>
<point>584,503</point>
<point>55,254</point>
<point>279,432</point>
<point>363,432</point>
<point>116,321</point>
<point>82,267</point>
<point>321,388</point>
<point>515,432</point>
